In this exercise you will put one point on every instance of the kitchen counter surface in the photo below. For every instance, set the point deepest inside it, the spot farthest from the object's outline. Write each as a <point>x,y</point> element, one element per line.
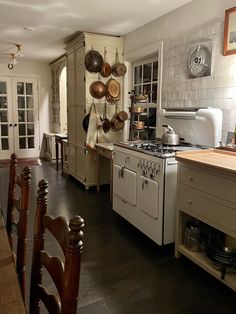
<point>215,158</point>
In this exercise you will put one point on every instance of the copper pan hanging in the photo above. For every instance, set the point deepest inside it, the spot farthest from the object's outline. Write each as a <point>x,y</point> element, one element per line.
<point>118,69</point>
<point>113,88</point>
<point>106,68</point>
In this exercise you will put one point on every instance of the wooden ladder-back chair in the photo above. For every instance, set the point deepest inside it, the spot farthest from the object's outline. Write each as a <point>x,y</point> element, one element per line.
<point>22,183</point>
<point>64,275</point>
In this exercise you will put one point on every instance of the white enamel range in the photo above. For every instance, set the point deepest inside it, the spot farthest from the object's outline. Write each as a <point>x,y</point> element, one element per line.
<point>145,173</point>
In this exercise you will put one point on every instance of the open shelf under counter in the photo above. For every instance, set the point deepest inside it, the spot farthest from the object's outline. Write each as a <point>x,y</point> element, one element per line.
<point>201,259</point>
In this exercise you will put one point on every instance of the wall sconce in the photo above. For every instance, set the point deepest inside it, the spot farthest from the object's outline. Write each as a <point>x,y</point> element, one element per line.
<point>18,53</point>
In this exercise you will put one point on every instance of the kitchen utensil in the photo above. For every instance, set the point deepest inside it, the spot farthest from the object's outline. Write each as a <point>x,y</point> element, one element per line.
<point>93,61</point>
<point>118,69</point>
<point>110,99</point>
<point>116,123</point>
<point>113,88</point>
<point>98,89</point>
<point>136,109</point>
<point>85,122</point>
<point>170,137</point>
<point>138,125</point>
<point>192,239</point>
<point>106,68</point>
<point>106,122</point>
<point>122,115</point>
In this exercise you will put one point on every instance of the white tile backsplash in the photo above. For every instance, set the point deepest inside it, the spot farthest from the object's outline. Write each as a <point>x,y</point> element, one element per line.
<point>217,90</point>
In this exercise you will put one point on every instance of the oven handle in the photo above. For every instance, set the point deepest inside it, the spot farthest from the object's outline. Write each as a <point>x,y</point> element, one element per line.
<point>169,163</point>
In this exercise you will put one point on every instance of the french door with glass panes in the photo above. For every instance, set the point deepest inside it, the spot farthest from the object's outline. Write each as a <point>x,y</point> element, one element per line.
<point>19,127</point>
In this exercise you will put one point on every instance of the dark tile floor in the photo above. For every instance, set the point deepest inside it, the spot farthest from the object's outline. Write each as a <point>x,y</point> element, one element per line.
<point>123,272</point>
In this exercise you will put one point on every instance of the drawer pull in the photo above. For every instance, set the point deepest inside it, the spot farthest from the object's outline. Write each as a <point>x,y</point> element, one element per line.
<point>190,178</point>
<point>190,202</point>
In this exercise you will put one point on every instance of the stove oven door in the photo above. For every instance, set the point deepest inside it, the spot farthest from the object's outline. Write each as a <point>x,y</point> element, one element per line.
<point>148,196</point>
<point>124,184</point>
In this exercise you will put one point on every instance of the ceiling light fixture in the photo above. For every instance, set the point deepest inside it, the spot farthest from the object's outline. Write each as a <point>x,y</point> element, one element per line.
<point>19,53</point>
<point>13,61</point>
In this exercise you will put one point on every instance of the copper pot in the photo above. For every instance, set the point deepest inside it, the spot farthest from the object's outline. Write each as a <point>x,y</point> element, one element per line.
<point>106,68</point>
<point>118,69</point>
<point>93,61</point>
<point>138,125</point>
<point>136,109</point>
<point>122,116</point>
<point>98,89</point>
<point>111,99</point>
<point>116,123</point>
<point>113,88</point>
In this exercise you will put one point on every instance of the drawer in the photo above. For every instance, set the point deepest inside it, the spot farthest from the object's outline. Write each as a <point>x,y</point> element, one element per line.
<point>214,185</point>
<point>218,213</point>
<point>127,160</point>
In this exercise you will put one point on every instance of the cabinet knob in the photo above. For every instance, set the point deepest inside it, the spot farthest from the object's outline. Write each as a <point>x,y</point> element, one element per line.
<point>190,202</point>
<point>190,178</point>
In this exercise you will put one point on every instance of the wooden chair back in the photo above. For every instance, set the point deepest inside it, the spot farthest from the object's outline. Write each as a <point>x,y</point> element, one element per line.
<point>18,227</point>
<point>64,275</point>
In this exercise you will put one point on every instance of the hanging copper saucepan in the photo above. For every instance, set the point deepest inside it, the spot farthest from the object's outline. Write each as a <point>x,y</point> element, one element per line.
<point>106,68</point>
<point>116,123</point>
<point>93,61</point>
<point>118,69</point>
<point>98,89</point>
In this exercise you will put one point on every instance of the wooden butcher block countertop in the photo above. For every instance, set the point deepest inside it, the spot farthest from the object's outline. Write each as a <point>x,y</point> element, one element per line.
<point>215,158</point>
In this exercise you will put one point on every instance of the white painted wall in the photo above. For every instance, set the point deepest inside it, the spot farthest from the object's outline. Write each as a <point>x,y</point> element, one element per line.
<point>42,70</point>
<point>189,24</point>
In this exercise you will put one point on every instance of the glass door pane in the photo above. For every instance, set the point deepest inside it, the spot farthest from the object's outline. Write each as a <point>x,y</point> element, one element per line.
<point>25,105</point>
<point>6,143</point>
<point>26,117</point>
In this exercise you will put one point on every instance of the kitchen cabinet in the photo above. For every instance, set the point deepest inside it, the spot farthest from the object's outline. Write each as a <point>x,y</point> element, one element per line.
<point>49,146</point>
<point>206,191</point>
<point>81,161</point>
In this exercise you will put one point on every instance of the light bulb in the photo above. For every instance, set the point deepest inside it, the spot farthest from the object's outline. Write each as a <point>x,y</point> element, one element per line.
<point>19,52</point>
<point>13,61</point>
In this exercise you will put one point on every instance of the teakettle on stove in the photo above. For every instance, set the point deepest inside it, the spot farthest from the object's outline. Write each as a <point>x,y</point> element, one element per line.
<point>169,137</point>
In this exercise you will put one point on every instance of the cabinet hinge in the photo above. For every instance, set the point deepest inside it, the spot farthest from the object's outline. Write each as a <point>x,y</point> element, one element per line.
<point>84,43</point>
<point>84,79</point>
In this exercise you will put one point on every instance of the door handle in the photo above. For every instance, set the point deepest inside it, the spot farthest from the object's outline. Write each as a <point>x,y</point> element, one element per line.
<point>10,125</point>
<point>15,124</point>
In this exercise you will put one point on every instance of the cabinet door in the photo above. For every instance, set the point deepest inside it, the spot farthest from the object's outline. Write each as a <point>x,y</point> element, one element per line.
<point>70,79</point>
<point>71,158</point>
<point>124,184</point>
<point>80,80</point>
<point>148,196</point>
<point>71,124</point>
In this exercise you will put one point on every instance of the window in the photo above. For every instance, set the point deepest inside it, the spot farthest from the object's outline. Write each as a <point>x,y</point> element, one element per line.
<point>145,79</point>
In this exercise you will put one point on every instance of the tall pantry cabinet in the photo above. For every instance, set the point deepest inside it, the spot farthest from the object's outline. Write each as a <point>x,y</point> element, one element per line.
<point>81,161</point>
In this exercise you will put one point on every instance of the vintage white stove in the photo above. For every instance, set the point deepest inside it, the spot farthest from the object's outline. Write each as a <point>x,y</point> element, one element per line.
<point>145,173</point>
